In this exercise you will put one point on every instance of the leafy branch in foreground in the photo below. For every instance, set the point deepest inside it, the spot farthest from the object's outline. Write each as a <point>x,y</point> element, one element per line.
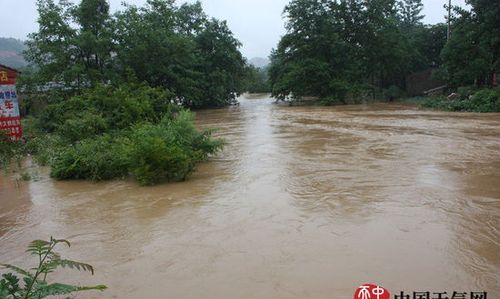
<point>34,281</point>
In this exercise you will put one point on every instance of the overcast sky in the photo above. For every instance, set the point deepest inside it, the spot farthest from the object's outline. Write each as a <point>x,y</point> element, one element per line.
<point>258,24</point>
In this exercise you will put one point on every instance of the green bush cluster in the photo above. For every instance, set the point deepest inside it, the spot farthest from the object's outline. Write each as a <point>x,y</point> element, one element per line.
<point>112,132</point>
<point>484,100</point>
<point>99,158</point>
<point>169,150</point>
<point>151,152</point>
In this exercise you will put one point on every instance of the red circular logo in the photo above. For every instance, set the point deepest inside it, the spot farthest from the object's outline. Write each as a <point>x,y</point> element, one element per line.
<point>371,291</point>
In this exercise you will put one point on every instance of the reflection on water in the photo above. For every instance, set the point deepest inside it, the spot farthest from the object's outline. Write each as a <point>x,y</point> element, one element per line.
<point>304,202</point>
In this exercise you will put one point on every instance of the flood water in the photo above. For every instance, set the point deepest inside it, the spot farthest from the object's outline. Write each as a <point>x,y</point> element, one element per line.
<point>304,202</point>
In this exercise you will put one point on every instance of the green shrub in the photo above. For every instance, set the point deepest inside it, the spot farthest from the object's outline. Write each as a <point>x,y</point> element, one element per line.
<point>330,101</point>
<point>112,132</point>
<point>107,108</point>
<point>466,91</point>
<point>169,150</point>
<point>83,125</point>
<point>41,145</point>
<point>484,100</point>
<point>101,158</point>
<point>55,114</point>
<point>130,104</point>
<point>9,151</point>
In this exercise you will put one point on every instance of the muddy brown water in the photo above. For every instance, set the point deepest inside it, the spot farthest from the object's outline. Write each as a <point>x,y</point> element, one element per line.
<point>304,202</point>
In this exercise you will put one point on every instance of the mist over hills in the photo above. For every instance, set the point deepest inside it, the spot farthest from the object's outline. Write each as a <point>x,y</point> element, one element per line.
<point>259,62</point>
<point>11,52</point>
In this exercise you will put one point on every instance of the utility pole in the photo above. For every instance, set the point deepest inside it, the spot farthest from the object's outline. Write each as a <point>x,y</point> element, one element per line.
<point>449,20</point>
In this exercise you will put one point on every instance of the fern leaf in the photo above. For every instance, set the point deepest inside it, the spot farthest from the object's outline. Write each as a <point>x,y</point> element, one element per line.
<point>55,289</point>
<point>16,269</point>
<point>38,247</point>
<point>69,264</point>
<point>57,241</point>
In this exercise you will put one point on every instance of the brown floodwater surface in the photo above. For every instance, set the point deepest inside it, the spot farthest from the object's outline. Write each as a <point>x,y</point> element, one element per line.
<point>304,202</point>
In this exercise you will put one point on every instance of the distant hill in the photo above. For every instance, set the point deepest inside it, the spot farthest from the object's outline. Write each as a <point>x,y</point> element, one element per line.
<point>11,52</point>
<point>259,62</point>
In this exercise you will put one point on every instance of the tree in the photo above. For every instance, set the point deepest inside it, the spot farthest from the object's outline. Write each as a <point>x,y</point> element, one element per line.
<point>332,48</point>
<point>410,13</point>
<point>173,47</point>
<point>94,39</point>
<point>256,80</point>
<point>73,45</point>
<point>51,48</point>
<point>178,48</point>
<point>472,55</point>
<point>222,66</point>
<point>150,46</point>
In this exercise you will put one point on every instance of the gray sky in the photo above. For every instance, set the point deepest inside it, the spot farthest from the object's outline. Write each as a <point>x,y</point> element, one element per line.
<point>258,24</point>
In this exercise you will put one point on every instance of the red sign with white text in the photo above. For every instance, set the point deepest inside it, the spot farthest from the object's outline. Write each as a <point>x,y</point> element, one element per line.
<point>10,118</point>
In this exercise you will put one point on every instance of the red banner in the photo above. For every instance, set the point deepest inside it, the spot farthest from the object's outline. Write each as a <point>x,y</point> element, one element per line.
<point>10,118</point>
<point>12,126</point>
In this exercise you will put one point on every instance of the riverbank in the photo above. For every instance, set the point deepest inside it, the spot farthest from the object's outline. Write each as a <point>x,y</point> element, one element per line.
<point>464,100</point>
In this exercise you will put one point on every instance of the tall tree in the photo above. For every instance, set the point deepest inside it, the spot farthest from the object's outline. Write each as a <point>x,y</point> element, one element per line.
<point>472,55</point>
<point>180,49</point>
<point>410,13</point>
<point>333,47</point>
<point>94,38</point>
<point>51,48</point>
<point>74,43</point>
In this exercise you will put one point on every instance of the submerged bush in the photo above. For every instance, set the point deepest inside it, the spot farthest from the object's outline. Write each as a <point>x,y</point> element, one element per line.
<point>168,150</point>
<point>101,158</point>
<point>106,108</point>
<point>83,125</point>
<point>113,132</point>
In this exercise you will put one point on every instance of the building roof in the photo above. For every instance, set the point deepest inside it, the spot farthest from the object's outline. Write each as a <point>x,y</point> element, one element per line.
<point>9,68</point>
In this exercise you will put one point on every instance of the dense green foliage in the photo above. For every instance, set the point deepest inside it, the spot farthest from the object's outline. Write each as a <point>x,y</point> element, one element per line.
<point>89,118</point>
<point>177,48</point>
<point>33,284</point>
<point>113,132</point>
<point>341,51</point>
<point>256,80</point>
<point>472,55</point>
<point>483,100</point>
<point>338,49</point>
<point>168,150</point>
<point>8,150</point>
